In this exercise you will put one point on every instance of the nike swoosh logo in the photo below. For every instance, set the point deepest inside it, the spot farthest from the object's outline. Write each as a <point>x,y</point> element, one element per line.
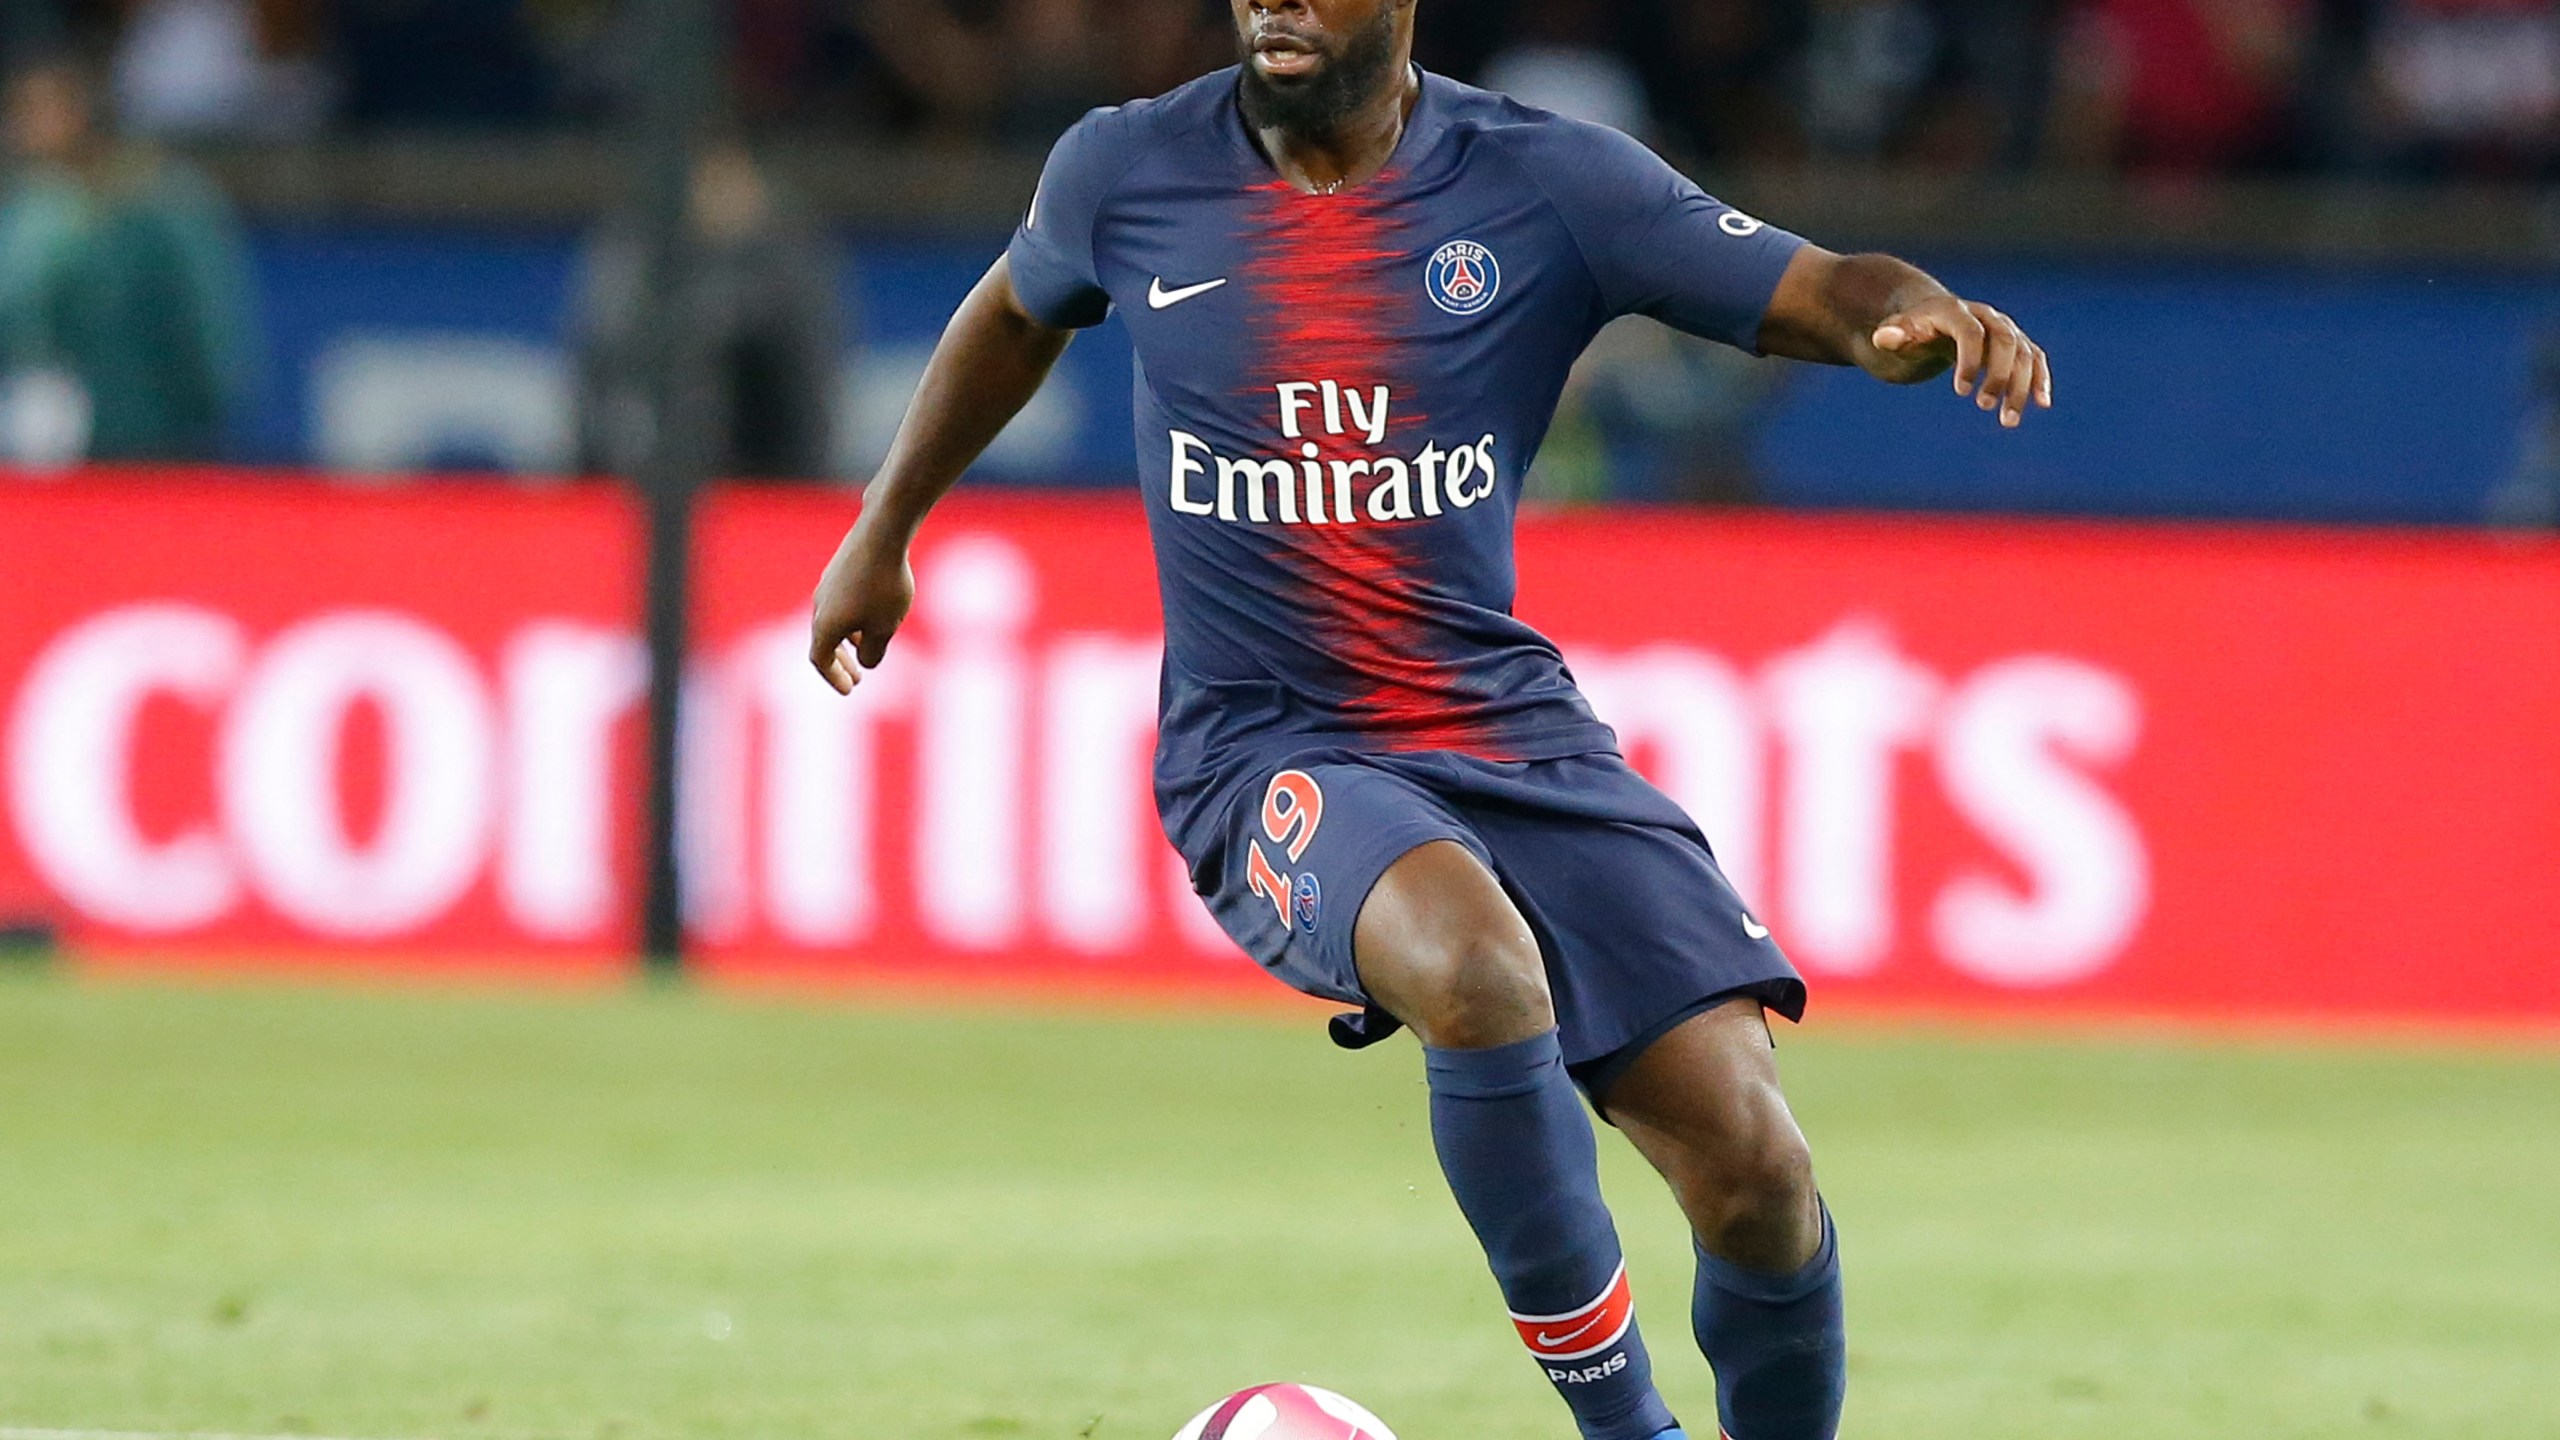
<point>1159,298</point>
<point>1754,928</point>
<point>1552,1342</point>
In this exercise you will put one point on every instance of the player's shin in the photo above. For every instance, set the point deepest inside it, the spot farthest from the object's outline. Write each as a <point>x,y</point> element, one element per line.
<point>1778,1345</point>
<point>1518,1150</point>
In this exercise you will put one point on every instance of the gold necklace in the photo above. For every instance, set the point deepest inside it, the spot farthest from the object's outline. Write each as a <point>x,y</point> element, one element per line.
<point>1403,116</point>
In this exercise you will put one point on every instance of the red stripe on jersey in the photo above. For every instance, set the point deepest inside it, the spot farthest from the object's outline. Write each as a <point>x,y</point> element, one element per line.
<point>1331,305</point>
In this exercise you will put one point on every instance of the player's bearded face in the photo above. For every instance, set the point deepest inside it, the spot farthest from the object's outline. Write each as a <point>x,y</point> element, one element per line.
<point>1307,81</point>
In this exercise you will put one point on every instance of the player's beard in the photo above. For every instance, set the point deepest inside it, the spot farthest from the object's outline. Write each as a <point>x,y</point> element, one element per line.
<point>1317,106</point>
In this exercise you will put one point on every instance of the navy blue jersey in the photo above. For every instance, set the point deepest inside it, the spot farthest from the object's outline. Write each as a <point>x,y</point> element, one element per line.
<point>1338,395</point>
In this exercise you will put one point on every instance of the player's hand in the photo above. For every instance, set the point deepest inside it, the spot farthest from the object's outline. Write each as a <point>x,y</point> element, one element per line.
<point>1993,360</point>
<point>862,599</point>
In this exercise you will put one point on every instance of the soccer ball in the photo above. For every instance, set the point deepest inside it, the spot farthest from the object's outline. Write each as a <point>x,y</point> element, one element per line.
<point>1285,1412</point>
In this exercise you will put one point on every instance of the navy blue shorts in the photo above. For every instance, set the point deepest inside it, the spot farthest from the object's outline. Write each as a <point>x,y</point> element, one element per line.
<point>1638,927</point>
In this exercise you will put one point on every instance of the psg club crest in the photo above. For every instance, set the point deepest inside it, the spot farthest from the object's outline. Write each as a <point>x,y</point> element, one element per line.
<point>1463,277</point>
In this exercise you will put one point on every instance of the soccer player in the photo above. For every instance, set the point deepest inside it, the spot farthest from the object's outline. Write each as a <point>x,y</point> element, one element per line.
<point>1354,290</point>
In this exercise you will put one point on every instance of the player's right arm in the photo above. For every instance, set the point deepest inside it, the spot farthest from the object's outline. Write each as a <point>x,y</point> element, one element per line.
<point>991,360</point>
<point>999,347</point>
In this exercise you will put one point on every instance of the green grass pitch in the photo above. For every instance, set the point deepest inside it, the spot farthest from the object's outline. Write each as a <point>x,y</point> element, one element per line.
<point>265,1209</point>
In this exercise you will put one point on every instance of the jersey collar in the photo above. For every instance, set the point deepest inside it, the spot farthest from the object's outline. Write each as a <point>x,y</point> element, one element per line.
<point>1422,130</point>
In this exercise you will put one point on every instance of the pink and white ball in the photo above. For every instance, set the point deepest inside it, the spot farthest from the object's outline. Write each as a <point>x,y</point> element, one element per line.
<point>1285,1412</point>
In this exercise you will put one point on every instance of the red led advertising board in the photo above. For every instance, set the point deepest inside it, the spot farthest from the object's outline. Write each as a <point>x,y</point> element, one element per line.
<point>1954,763</point>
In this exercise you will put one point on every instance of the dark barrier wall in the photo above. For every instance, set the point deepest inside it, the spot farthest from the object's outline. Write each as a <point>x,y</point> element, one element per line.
<point>2189,391</point>
<point>2207,771</point>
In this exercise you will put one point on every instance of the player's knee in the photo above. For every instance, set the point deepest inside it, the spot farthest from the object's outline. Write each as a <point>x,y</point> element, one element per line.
<point>1478,989</point>
<point>1760,1211</point>
<point>1444,950</point>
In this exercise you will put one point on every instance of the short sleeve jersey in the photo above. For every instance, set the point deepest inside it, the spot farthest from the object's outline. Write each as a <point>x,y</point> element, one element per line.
<point>1338,395</point>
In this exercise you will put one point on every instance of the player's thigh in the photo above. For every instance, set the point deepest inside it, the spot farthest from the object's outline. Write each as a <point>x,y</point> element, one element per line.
<point>1303,851</point>
<point>1704,1105</point>
<point>1441,947</point>
<point>1639,926</point>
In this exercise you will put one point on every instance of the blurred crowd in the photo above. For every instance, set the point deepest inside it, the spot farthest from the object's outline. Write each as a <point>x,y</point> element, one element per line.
<point>128,309</point>
<point>125,312</point>
<point>2430,87</point>
<point>128,328</point>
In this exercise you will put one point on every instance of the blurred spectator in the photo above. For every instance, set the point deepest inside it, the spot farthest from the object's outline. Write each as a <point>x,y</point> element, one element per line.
<point>1055,59</point>
<point>456,63</point>
<point>2531,500</point>
<point>773,49</point>
<point>1025,69</point>
<point>2180,85</point>
<point>1868,65</point>
<point>26,31</point>
<point>124,322</point>
<point>1990,107</point>
<point>1158,44</point>
<point>220,67</point>
<point>1566,56</point>
<point>756,322</point>
<point>943,54</point>
<point>2468,85</point>
<point>1718,76</point>
<point>1650,414</point>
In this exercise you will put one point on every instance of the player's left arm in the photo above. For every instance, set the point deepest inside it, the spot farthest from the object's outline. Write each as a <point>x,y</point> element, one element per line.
<point>1893,321</point>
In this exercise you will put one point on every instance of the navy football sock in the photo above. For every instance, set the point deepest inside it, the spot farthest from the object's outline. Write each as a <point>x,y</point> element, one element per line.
<point>1778,1345</point>
<point>1517,1148</point>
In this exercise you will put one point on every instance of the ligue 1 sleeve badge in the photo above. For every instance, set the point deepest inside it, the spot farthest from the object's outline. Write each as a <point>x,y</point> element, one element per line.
<point>1463,277</point>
